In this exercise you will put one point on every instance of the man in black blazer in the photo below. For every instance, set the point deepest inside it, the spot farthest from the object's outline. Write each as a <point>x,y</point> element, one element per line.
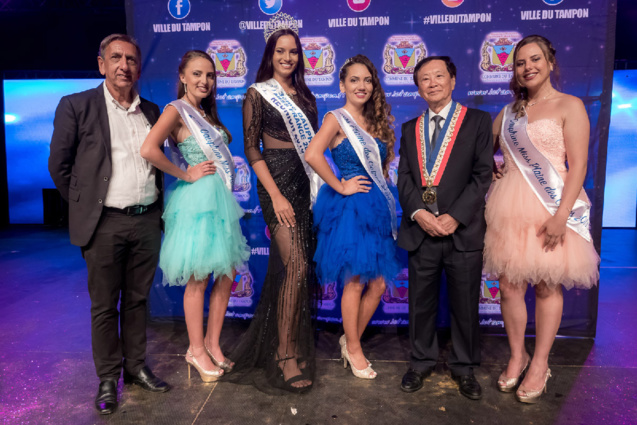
<point>444,173</point>
<point>114,201</point>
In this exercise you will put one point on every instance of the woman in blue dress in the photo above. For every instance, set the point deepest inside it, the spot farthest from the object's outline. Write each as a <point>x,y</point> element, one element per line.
<point>353,216</point>
<point>202,231</point>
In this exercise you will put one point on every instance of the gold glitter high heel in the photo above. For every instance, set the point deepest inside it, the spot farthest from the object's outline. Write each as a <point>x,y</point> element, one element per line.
<point>226,365</point>
<point>507,385</point>
<point>533,396</point>
<point>206,375</point>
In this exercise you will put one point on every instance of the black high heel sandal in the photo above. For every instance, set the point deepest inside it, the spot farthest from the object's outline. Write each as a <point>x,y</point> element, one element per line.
<point>287,385</point>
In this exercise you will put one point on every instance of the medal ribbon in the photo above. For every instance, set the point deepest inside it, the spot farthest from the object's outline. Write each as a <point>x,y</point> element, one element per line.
<point>539,173</point>
<point>369,155</point>
<point>298,125</point>
<point>433,164</point>
<point>209,139</point>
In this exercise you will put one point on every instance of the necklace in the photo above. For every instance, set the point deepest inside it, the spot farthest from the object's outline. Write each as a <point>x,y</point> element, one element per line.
<point>199,109</point>
<point>537,101</point>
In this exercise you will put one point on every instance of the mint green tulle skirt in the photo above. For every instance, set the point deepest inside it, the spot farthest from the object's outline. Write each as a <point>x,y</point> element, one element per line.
<point>202,232</point>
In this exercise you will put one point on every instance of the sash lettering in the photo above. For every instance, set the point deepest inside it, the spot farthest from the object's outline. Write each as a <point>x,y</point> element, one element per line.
<point>539,173</point>
<point>210,141</point>
<point>369,155</point>
<point>298,125</point>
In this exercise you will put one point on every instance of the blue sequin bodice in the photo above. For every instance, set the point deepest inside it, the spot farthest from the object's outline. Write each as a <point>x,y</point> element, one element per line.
<point>191,151</point>
<point>347,161</point>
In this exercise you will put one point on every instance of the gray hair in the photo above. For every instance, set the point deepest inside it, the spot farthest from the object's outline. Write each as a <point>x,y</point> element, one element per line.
<point>119,37</point>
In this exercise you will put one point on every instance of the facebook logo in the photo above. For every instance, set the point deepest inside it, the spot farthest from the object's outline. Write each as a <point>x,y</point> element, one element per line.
<point>179,9</point>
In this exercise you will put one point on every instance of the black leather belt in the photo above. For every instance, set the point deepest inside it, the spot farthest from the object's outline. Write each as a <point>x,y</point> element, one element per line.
<point>134,210</point>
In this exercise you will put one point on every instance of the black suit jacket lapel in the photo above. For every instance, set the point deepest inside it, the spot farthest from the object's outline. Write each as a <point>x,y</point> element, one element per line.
<point>148,111</point>
<point>102,113</point>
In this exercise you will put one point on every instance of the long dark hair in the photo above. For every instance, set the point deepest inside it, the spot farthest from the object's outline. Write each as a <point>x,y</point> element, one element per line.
<point>377,111</point>
<point>266,69</point>
<point>208,104</point>
<point>521,93</point>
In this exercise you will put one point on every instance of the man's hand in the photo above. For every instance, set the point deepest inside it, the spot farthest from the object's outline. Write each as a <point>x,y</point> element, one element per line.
<point>428,222</point>
<point>447,223</point>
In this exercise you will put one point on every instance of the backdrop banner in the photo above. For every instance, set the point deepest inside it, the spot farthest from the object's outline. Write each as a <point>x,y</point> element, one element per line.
<point>479,35</point>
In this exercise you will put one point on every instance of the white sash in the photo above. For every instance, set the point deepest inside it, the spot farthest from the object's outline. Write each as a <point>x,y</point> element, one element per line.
<point>369,155</point>
<point>546,182</point>
<point>298,125</point>
<point>210,140</point>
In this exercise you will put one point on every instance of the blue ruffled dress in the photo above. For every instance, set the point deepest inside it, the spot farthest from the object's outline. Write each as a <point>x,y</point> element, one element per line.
<point>202,230</point>
<point>353,232</point>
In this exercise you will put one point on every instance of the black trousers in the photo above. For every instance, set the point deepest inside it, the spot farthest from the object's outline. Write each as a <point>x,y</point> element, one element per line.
<point>121,260</point>
<point>464,273</point>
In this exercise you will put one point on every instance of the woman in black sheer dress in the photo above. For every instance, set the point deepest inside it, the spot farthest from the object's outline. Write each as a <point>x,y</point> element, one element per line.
<point>280,339</point>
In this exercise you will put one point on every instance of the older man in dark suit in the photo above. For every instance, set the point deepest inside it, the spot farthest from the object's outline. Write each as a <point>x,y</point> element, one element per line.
<point>114,201</point>
<point>443,176</point>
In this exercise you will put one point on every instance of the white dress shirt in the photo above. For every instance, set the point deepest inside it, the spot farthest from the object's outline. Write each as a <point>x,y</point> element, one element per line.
<point>133,178</point>
<point>444,113</point>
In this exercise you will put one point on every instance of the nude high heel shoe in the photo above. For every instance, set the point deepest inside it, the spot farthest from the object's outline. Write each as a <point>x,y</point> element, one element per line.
<point>533,396</point>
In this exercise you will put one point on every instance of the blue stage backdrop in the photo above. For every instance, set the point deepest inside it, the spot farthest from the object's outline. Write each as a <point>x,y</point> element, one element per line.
<point>478,34</point>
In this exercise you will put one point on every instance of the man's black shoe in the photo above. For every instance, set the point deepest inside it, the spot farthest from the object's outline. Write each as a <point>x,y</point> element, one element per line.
<point>468,386</point>
<point>106,398</point>
<point>146,380</point>
<point>412,380</point>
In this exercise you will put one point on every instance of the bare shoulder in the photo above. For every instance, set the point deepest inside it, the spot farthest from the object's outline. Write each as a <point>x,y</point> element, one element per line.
<point>332,130</point>
<point>569,102</point>
<point>572,109</point>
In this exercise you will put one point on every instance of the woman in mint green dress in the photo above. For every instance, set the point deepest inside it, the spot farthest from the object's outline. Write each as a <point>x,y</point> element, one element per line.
<point>203,235</point>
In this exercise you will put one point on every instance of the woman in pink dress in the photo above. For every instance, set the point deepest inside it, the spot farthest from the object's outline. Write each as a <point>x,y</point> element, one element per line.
<point>525,243</point>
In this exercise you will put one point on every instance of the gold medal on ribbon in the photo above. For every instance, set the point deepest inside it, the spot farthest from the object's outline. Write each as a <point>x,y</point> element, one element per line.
<point>431,178</point>
<point>429,195</point>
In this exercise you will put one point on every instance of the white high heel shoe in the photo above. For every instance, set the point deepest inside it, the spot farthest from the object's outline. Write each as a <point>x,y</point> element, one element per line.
<point>367,373</point>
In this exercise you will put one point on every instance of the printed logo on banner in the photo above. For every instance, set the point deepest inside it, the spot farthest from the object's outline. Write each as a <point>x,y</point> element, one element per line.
<point>318,56</point>
<point>400,56</point>
<point>496,63</point>
<point>242,185</point>
<point>490,296</point>
<point>179,9</point>
<point>328,295</point>
<point>242,288</point>
<point>552,2</point>
<point>358,5</point>
<point>230,62</point>
<point>395,297</point>
<point>452,3</point>
<point>270,7</point>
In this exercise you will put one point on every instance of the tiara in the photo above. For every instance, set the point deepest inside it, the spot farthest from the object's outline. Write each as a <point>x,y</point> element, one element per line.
<point>348,60</point>
<point>278,22</point>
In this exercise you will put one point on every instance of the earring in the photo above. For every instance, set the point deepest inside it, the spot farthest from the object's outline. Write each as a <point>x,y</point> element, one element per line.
<point>185,88</point>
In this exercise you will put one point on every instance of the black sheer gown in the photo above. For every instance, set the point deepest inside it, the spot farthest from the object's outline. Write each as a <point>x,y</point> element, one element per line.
<point>282,328</point>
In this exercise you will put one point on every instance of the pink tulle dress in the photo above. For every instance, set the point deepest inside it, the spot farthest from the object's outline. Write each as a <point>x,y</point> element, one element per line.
<point>514,215</point>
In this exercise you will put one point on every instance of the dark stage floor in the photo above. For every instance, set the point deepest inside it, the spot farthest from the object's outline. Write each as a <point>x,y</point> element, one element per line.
<point>48,376</point>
